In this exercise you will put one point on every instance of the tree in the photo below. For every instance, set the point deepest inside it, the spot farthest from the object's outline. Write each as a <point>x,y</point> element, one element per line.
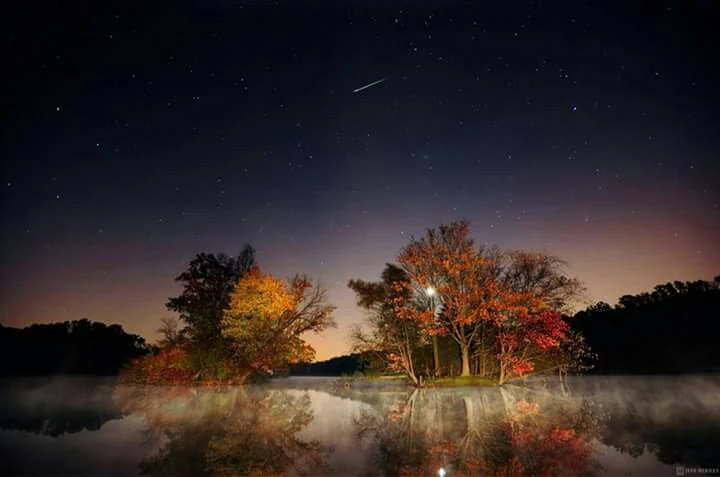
<point>207,284</point>
<point>170,331</point>
<point>534,273</point>
<point>393,339</point>
<point>446,260</point>
<point>266,318</point>
<point>527,330</point>
<point>508,302</point>
<point>542,275</point>
<point>573,356</point>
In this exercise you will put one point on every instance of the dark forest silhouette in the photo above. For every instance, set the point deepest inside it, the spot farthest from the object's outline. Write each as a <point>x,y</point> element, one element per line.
<point>336,366</point>
<point>673,329</point>
<point>70,347</point>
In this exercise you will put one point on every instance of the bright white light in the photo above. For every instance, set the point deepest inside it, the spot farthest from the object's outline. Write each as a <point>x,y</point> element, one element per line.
<point>430,291</point>
<point>441,472</point>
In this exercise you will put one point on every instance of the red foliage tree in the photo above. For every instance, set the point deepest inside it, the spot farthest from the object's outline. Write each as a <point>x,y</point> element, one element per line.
<point>475,301</point>
<point>530,329</point>
<point>171,365</point>
<point>446,260</point>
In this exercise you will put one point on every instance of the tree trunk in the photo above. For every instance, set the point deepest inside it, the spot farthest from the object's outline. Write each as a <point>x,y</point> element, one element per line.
<point>562,374</point>
<point>409,368</point>
<point>465,360</point>
<point>243,377</point>
<point>501,378</point>
<point>410,371</point>
<point>436,356</point>
<point>483,363</point>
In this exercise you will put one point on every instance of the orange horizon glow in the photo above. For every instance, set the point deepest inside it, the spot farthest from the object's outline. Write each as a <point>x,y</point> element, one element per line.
<point>610,265</point>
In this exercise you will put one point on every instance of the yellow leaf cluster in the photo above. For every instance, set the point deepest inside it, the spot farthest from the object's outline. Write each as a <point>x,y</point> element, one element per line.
<point>263,296</point>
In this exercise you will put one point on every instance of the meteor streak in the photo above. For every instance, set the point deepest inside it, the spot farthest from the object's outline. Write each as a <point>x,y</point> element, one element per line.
<point>368,85</point>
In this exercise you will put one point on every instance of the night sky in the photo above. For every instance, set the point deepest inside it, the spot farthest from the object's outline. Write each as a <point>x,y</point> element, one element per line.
<point>137,134</point>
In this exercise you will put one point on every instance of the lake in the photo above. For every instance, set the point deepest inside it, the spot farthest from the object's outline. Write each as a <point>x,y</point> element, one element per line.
<point>625,425</point>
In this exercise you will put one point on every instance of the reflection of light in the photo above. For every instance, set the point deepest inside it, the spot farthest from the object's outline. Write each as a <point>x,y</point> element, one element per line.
<point>430,291</point>
<point>441,472</point>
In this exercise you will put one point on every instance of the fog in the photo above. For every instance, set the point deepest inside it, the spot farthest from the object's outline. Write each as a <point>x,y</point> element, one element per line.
<point>588,425</point>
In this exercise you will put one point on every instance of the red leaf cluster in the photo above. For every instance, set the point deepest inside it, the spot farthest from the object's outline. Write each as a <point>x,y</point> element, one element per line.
<point>169,366</point>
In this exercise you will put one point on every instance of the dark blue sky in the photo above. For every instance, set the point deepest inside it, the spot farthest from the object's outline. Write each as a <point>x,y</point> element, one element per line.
<point>136,134</point>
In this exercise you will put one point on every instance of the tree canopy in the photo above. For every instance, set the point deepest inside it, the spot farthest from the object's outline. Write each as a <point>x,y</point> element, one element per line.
<point>207,284</point>
<point>267,317</point>
<point>239,321</point>
<point>501,308</point>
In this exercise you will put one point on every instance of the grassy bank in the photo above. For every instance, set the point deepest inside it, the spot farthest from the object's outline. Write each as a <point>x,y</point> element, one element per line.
<point>454,381</point>
<point>446,382</point>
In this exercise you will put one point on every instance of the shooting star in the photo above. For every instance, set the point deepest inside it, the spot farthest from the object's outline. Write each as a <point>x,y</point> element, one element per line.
<point>368,85</point>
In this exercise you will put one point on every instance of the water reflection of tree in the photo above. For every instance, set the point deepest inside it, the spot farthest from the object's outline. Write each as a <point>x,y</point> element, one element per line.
<point>232,431</point>
<point>500,431</point>
<point>509,430</point>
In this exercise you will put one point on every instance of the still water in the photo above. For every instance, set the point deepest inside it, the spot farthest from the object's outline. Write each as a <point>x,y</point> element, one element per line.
<point>312,426</point>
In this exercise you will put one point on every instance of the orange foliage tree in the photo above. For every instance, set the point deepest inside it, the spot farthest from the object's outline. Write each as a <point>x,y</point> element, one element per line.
<point>476,301</point>
<point>446,260</point>
<point>267,317</point>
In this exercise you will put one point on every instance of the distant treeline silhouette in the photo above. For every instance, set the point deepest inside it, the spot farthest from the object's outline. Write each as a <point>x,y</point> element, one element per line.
<point>337,366</point>
<point>673,329</point>
<point>71,347</point>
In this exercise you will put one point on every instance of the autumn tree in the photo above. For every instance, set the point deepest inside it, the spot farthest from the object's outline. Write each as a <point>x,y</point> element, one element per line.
<point>446,260</point>
<point>533,274</point>
<point>500,305</point>
<point>395,340</point>
<point>266,318</point>
<point>528,325</point>
<point>523,333</point>
<point>207,284</point>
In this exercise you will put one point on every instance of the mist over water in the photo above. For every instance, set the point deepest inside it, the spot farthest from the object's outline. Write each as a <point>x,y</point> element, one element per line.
<point>630,425</point>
